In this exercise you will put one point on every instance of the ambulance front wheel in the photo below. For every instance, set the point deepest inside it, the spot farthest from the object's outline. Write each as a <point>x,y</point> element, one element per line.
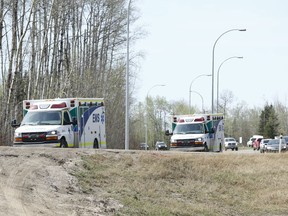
<point>95,144</point>
<point>63,143</point>
<point>206,148</point>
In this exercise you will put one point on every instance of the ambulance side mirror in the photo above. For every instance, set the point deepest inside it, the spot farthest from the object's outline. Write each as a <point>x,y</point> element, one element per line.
<point>167,133</point>
<point>74,121</point>
<point>14,123</point>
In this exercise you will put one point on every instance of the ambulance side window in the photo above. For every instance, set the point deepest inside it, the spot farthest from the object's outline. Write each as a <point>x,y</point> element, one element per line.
<point>66,119</point>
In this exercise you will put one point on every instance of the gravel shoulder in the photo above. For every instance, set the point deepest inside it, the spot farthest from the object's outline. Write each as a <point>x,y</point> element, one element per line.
<point>38,181</point>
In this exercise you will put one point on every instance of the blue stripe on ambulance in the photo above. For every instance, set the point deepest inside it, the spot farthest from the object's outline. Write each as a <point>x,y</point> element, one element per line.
<point>84,119</point>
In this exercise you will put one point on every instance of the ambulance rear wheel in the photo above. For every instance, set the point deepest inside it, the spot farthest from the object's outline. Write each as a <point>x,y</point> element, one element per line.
<point>63,143</point>
<point>95,144</point>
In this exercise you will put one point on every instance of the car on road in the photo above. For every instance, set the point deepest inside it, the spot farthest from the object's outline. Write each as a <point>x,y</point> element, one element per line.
<point>230,143</point>
<point>161,146</point>
<point>286,139</point>
<point>144,146</point>
<point>263,145</point>
<point>273,145</point>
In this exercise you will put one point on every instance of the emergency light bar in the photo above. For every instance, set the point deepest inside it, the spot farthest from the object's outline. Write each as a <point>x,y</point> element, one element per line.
<point>201,119</point>
<point>60,105</point>
<point>33,107</point>
<point>57,104</point>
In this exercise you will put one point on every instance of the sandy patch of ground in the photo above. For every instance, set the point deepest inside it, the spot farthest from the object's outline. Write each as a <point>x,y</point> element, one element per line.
<point>37,181</point>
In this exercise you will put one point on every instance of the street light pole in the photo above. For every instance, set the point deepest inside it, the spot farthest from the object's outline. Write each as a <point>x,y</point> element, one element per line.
<point>146,116</point>
<point>239,57</point>
<point>213,53</point>
<point>190,89</point>
<point>201,99</point>
<point>127,82</point>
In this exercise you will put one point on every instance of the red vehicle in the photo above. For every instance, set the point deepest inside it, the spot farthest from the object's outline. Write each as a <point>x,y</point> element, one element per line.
<point>256,144</point>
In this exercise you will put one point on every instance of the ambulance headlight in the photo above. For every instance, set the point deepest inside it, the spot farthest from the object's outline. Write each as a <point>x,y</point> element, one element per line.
<point>17,134</point>
<point>200,139</point>
<point>54,132</point>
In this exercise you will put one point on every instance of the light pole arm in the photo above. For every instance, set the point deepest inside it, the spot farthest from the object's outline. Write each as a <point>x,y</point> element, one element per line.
<point>213,51</point>
<point>152,88</point>
<point>239,57</point>
<point>190,89</point>
<point>224,34</point>
<point>201,99</point>
<point>195,79</point>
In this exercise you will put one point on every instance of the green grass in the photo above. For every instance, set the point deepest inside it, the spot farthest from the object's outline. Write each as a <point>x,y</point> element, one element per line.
<point>149,183</point>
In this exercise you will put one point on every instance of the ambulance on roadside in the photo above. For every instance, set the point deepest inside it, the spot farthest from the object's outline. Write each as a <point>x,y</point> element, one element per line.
<point>62,122</point>
<point>204,132</point>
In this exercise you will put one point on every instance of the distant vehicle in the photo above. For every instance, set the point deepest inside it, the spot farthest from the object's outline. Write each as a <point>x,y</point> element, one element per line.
<point>230,143</point>
<point>273,145</point>
<point>286,139</point>
<point>161,146</point>
<point>143,146</point>
<point>263,145</point>
<point>252,139</point>
<point>256,144</point>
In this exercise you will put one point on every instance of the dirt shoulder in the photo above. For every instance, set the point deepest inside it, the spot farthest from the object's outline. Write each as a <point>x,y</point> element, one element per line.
<point>38,181</point>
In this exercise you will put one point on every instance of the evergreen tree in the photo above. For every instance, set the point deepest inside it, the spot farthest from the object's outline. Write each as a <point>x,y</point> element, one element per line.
<point>269,123</point>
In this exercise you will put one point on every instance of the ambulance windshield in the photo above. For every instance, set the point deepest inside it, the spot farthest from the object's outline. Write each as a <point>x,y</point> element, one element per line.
<point>42,118</point>
<point>193,128</point>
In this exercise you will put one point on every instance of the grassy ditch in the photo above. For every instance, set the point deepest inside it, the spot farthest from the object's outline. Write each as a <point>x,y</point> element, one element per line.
<point>155,183</point>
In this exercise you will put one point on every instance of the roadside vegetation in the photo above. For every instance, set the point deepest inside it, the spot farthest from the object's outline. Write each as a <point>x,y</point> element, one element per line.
<point>167,183</point>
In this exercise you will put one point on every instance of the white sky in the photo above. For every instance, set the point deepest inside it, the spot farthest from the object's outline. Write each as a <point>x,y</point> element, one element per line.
<point>178,48</point>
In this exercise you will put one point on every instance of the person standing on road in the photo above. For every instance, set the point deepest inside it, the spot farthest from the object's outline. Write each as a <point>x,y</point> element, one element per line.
<point>256,144</point>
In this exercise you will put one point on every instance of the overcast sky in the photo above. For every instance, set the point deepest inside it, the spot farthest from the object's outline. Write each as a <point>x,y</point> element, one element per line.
<point>179,44</point>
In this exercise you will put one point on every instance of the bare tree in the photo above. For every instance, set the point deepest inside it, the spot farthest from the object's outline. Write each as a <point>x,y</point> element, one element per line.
<point>226,98</point>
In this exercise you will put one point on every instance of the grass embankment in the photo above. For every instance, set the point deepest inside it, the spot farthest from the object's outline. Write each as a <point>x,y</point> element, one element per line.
<point>149,183</point>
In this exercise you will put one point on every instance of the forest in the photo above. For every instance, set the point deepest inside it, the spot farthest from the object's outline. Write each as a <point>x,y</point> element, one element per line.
<point>77,48</point>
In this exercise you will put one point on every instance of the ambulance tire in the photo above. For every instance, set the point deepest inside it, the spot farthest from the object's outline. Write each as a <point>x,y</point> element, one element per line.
<point>95,144</point>
<point>63,143</point>
<point>206,148</point>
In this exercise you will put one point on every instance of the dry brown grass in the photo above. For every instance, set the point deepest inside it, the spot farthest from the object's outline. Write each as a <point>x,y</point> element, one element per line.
<point>164,183</point>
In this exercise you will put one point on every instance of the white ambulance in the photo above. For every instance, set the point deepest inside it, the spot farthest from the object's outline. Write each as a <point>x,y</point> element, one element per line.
<point>203,132</point>
<point>62,122</point>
